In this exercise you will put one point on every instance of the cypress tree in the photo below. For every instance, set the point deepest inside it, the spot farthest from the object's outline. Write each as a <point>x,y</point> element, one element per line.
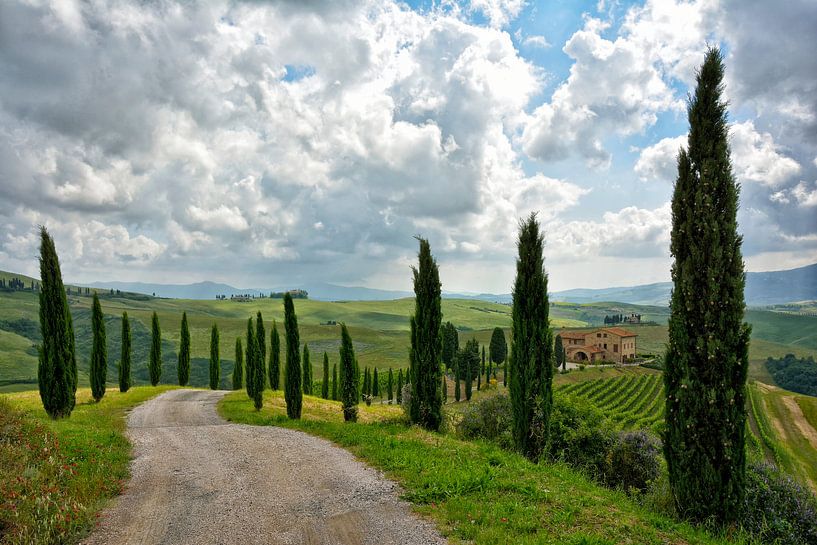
<point>56,369</point>
<point>367,386</point>
<point>357,379</point>
<point>531,363</point>
<point>261,337</point>
<point>488,371</point>
<point>456,379</point>
<point>481,370</point>
<point>390,386</point>
<point>292,374</point>
<point>470,358</point>
<point>325,382</point>
<point>155,362</point>
<point>99,351</point>
<point>707,354</point>
<point>399,386</point>
<point>238,369</point>
<point>184,353</point>
<point>215,361</point>
<point>375,384</point>
<point>249,359</point>
<point>125,359</point>
<point>348,376</point>
<point>275,358</point>
<point>426,343</point>
<point>445,389</point>
<point>335,382</point>
<point>451,344</point>
<point>498,347</point>
<point>559,352</point>
<point>307,371</point>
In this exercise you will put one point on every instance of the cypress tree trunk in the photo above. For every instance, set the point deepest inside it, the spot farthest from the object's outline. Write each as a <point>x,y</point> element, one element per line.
<point>99,351</point>
<point>292,375</point>
<point>238,369</point>
<point>125,359</point>
<point>375,384</point>
<point>399,386</point>
<point>249,359</point>
<point>426,343</point>
<point>184,352</point>
<point>261,337</point>
<point>215,361</point>
<point>275,359</point>
<point>334,382</point>
<point>390,386</point>
<point>307,371</point>
<point>707,355</point>
<point>155,362</point>
<point>531,362</point>
<point>325,382</point>
<point>348,376</point>
<point>56,370</point>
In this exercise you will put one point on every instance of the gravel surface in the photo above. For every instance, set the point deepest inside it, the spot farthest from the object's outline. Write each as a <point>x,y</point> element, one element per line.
<point>199,479</point>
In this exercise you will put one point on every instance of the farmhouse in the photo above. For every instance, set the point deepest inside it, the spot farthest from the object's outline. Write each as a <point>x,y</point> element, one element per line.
<point>614,344</point>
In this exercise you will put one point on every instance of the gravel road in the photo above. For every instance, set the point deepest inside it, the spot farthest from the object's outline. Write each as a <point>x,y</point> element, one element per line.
<point>199,479</point>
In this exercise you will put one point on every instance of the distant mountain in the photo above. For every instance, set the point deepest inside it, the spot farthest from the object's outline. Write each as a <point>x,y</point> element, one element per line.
<point>199,290</point>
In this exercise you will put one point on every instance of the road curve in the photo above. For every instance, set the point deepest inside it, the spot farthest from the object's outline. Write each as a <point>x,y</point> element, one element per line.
<point>198,479</point>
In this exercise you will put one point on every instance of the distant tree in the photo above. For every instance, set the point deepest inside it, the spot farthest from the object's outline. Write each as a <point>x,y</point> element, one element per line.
<point>261,337</point>
<point>559,352</point>
<point>348,376</point>
<point>184,352</point>
<point>325,381</point>
<point>215,361</point>
<point>531,362</point>
<point>469,360</point>
<point>706,362</point>
<point>498,347</point>
<point>390,386</point>
<point>375,384</point>
<point>307,371</point>
<point>275,358</point>
<point>255,369</point>
<point>125,358</point>
<point>426,343</point>
<point>367,386</point>
<point>99,351</point>
<point>481,370</point>
<point>488,370</point>
<point>399,386</point>
<point>292,391</point>
<point>335,382</point>
<point>451,344</point>
<point>457,392</point>
<point>238,369</point>
<point>56,370</point>
<point>155,363</point>
<point>249,359</point>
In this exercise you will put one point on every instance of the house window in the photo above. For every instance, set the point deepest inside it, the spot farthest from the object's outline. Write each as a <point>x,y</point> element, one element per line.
<point>605,335</point>
<point>615,348</point>
<point>605,346</point>
<point>598,335</point>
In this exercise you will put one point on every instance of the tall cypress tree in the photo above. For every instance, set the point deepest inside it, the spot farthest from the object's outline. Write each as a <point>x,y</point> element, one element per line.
<point>559,351</point>
<point>367,386</point>
<point>348,376</point>
<point>451,343</point>
<point>481,370</point>
<point>457,379</point>
<point>155,362</point>
<point>99,351</point>
<point>307,371</point>
<point>261,337</point>
<point>399,386</point>
<point>56,370</point>
<point>184,352</point>
<point>125,359</point>
<point>238,368</point>
<point>531,362</point>
<point>215,361</point>
<point>707,354</point>
<point>426,343</point>
<point>445,389</point>
<point>334,382</point>
<point>470,358</point>
<point>249,359</point>
<point>275,358</point>
<point>292,375</point>
<point>390,386</point>
<point>325,381</point>
<point>375,384</point>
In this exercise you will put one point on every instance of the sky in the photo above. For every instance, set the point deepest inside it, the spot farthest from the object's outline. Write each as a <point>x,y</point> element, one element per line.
<point>286,143</point>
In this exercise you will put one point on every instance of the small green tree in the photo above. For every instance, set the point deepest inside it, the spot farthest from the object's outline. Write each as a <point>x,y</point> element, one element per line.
<point>125,359</point>
<point>238,369</point>
<point>99,351</point>
<point>184,352</point>
<point>399,386</point>
<point>215,361</point>
<point>292,375</point>
<point>275,358</point>
<point>375,384</point>
<point>325,381</point>
<point>261,337</point>
<point>348,376</point>
<point>457,392</point>
<point>307,372</point>
<point>155,363</point>
<point>335,382</point>
<point>559,352</point>
<point>390,386</point>
<point>498,347</point>
<point>249,359</point>
<point>481,370</point>
<point>255,371</point>
<point>444,386</point>
<point>451,343</point>
<point>367,386</point>
<point>469,360</point>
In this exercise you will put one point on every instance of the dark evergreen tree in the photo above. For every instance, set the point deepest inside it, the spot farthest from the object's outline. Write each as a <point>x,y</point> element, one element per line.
<point>451,343</point>
<point>184,352</point>
<point>348,376</point>
<point>469,360</point>
<point>255,371</point>
<point>335,382</point>
<point>530,370</point>
<point>375,384</point>
<point>426,343</point>
<point>261,337</point>
<point>498,347</point>
<point>367,386</point>
<point>215,360</point>
<point>559,352</point>
<point>125,358</point>
<point>249,359</point>
<point>275,358</point>
<point>488,371</point>
<point>399,386</point>
<point>56,370</point>
<point>457,393</point>
<point>238,368</point>
<point>706,363</point>
<point>390,387</point>
<point>292,374</point>
<point>155,362</point>
<point>325,381</point>
<point>481,370</point>
<point>445,390</point>
<point>307,372</point>
<point>99,351</point>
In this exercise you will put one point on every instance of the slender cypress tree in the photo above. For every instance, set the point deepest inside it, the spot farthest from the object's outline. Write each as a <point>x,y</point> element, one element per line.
<point>335,382</point>
<point>292,376</point>
<point>184,352</point>
<point>367,386</point>
<point>470,357</point>
<point>481,370</point>
<point>375,384</point>
<point>707,354</point>
<point>498,347</point>
<point>238,369</point>
<point>325,381</point>
<point>399,386</point>
<point>215,361</point>
<point>99,351</point>
<point>451,343</point>
<point>307,372</point>
<point>457,379</point>
<point>531,363</point>
<point>261,337</point>
<point>155,362</point>
<point>275,358</point>
<point>488,370</point>
<point>426,343</point>
<point>249,359</point>
<point>56,370</point>
<point>445,389</point>
<point>390,386</point>
<point>559,352</point>
<point>125,359</point>
<point>348,376</point>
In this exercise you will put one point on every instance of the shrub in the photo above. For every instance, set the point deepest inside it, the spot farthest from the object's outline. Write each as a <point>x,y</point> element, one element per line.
<point>489,418</point>
<point>580,435</point>
<point>633,462</point>
<point>405,399</point>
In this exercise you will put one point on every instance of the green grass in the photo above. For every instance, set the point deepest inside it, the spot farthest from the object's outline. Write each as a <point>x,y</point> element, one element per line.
<point>55,475</point>
<point>474,491</point>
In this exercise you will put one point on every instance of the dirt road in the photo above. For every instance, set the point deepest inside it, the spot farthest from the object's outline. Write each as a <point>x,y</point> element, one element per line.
<point>199,479</point>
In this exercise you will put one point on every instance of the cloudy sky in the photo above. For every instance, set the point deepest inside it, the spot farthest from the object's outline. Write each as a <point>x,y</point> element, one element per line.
<point>283,143</point>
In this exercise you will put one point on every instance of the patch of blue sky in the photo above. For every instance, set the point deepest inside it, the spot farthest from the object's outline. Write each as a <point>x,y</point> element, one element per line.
<point>295,72</point>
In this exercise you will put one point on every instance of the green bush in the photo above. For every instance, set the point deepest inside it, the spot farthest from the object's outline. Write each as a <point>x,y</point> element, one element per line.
<point>580,435</point>
<point>633,462</point>
<point>489,418</point>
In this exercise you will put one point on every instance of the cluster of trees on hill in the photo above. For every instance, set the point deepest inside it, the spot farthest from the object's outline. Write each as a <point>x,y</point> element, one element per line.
<point>614,319</point>
<point>795,374</point>
<point>16,284</point>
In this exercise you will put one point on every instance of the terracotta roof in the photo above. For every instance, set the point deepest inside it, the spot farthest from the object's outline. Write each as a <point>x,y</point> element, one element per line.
<point>573,334</point>
<point>590,349</point>
<point>620,331</point>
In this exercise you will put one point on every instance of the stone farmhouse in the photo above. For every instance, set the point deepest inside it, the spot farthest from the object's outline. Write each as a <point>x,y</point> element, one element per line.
<point>614,344</point>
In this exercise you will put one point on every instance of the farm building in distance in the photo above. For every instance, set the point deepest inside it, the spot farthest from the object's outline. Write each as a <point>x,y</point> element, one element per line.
<point>614,344</point>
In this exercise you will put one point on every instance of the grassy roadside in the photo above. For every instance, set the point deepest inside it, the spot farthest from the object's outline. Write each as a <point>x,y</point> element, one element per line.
<point>55,475</point>
<point>474,491</point>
